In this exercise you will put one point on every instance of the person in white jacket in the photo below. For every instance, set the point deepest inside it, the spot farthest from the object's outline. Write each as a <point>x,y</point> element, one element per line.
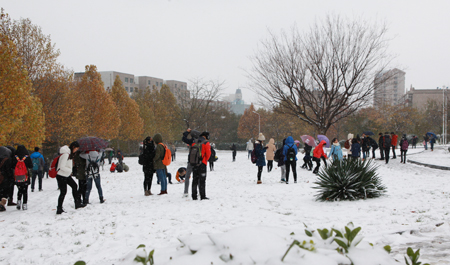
<point>64,176</point>
<point>93,173</point>
<point>249,148</point>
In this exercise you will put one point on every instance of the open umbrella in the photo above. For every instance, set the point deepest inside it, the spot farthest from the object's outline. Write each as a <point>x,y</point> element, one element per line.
<point>91,143</point>
<point>108,149</point>
<point>297,141</point>
<point>368,133</point>
<point>324,138</point>
<point>431,134</point>
<point>308,140</point>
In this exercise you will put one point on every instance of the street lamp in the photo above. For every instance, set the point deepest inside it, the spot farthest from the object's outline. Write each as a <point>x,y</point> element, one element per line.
<point>259,126</point>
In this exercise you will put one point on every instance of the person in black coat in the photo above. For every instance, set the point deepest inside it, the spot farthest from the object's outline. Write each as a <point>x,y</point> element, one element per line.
<point>22,187</point>
<point>7,175</point>
<point>147,164</point>
<point>387,146</point>
<point>380,145</point>
<point>233,148</point>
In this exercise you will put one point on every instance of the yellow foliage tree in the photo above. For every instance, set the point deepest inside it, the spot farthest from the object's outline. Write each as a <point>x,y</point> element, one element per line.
<point>100,115</point>
<point>131,124</point>
<point>144,99</point>
<point>249,124</point>
<point>20,112</point>
<point>166,114</point>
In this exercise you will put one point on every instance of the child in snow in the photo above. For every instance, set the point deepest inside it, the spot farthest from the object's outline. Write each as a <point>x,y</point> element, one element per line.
<point>113,168</point>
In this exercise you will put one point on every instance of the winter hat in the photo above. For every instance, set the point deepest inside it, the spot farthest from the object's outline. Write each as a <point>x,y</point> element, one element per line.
<point>350,136</point>
<point>261,137</point>
<point>205,134</point>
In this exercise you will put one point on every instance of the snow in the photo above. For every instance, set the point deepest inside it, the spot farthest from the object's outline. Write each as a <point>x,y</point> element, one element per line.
<point>252,222</point>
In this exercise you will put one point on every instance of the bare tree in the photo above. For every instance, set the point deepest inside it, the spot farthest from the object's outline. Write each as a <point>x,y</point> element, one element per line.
<point>197,108</point>
<point>324,75</point>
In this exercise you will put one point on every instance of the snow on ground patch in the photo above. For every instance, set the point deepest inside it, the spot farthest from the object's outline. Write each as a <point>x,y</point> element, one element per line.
<point>416,200</point>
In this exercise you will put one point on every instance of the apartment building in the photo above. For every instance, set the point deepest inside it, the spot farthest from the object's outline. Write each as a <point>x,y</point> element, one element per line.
<point>419,98</point>
<point>179,90</point>
<point>389,88</point>
<point>128,80</point>
<point>149,82</point>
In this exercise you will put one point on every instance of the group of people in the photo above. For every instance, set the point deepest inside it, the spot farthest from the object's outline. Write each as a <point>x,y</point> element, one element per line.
<point>286,155</point>
<point>200,152</point>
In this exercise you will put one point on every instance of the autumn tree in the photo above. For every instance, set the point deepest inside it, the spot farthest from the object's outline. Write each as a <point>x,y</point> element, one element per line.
<point>144,98</point>
<point>324,75</point>
<point>20,112</point>
<point>100,115</point>
<point>166,114</point>
<point>249,124</point>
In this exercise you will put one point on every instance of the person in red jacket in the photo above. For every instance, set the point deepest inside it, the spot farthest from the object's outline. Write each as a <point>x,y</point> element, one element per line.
<point>318,154</point>
<point>199,172</point>
<point>394,141</point>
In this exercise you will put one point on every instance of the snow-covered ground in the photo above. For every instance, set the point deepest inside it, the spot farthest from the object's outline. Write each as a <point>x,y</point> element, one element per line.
<point>417,199</point>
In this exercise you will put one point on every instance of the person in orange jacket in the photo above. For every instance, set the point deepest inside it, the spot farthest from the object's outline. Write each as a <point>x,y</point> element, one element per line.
<point>318,154</point>
<point>394,141</point>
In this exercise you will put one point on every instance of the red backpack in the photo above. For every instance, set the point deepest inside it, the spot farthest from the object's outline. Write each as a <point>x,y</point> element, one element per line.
<point>21,171</point>
<point>52,172</point>
<point>167,155</point>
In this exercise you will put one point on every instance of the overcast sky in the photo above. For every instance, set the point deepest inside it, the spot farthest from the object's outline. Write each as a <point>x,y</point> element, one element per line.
<point>213,39</point>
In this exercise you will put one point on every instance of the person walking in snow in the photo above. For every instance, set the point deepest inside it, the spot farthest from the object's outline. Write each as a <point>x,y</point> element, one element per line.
<point>290,158</point>
<point>93,173</point>
<point>394,142</point>
<point>249,148</point>
<point>281,163</point>
<point>373,144</point>
<point>387,146</point>
<point>64,176</point>
<point>403,148</point>
<point>199,170</point>
<point>425,141</point>
<point>307,158</point>
<point>38,168</point>
<point>20,165</point>
<point>8,175</point>
<point>335,151</point>
<point>212,158</point>
<point>234,150</point>
<point>148,153</point>
<point>318,154</point>
<point>432,142</point>
<point>270,153</point>
<point>260,157</point>
<point>381,145</point>
<point>414,141</point>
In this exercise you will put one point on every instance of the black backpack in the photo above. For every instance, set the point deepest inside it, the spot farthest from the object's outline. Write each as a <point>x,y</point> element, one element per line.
<point>278,154</point>
<point>92,170</point>
<point>195,153</point>
<point>290,154</point>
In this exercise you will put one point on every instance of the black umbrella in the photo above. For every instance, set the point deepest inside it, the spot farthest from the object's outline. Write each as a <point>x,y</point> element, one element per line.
<point>368,133</point>
<point>91,143</point>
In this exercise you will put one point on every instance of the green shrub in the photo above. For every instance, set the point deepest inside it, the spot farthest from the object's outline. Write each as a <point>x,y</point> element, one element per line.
<point>349,180</point>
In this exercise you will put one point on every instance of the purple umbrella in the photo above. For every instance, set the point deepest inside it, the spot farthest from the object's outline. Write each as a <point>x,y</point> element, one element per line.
<point>308,140</point>
<point>321,138</point>
<point>297,141</point>
<point>91,143</point>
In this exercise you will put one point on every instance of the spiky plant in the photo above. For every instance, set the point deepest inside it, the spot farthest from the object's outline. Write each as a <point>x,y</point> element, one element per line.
<point>349,180</point>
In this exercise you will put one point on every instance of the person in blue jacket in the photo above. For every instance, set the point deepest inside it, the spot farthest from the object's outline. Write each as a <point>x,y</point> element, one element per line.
<point>356,149</point>
<point>260,157</point>
<point>336,151</point>
<point>290,158</point>
<point>38,168</point>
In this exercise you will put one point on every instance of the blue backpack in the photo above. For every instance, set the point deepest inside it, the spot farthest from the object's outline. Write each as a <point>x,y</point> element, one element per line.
<point>35,163</point>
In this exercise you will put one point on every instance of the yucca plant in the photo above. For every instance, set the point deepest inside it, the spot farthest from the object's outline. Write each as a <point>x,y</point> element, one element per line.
<point>349,180</point>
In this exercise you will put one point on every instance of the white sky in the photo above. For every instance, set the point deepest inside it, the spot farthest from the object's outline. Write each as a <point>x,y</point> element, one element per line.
<point>213,39</point>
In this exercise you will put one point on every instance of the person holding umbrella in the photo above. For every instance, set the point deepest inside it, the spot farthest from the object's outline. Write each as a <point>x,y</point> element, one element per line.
<point>318,154</point>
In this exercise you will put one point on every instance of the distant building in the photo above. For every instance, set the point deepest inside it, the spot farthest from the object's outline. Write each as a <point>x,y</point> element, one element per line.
<point>238,105</point>
<point>389,88</point>
<point>149,82</point>
<point>418,98</point>
<point>128,80</point>
<point>179,90</point>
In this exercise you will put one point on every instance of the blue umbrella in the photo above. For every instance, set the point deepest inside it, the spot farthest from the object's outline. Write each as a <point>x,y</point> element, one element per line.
<point>431,134</point>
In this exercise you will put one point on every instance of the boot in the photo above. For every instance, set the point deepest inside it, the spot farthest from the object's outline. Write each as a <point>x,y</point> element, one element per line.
<point>11,203</point>
<point>259,182</point>
<point>24,207</point>
<point>4,201</point>
<point>102,200</point>
<point>79,204</point>
<point>162,192</point>
<point>86,201</point>
<point>59,210</point>
<point>19,204</point>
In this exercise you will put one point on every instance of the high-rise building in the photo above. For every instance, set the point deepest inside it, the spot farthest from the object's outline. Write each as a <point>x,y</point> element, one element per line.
<point>179,90</point>
<point>150,82</point>
<point>128,80</point>
<point>389,88</point>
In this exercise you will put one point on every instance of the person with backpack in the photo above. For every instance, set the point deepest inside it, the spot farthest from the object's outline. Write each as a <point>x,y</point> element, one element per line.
<point>381,145</point>
<point>336,151</point>
<point>290,158</point>
<point>158,165</point>
<point>38,168</point>
<point>307,158</point>
<point>387,146</point>
<point>249,147</point>
<point>270,153</point>
<point>356,149</point>
<point>189,137</point>
<point>199,156</point>
<point>234,150</point>
<point>64,176</point>
<point>318,154</point>
<point>146,160</point>
<point>93,173</point>
<point>403,148</point>
<point>20,165</point>
<point>259,151</point>
<point>394,142</point>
